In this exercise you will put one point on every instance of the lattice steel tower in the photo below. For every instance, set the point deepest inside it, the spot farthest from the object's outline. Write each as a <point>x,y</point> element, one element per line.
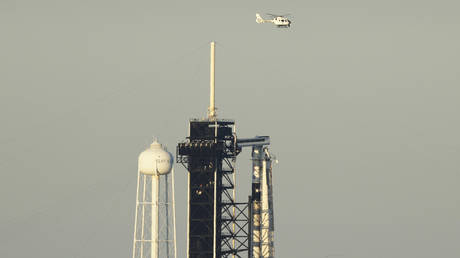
<point>217,224</point>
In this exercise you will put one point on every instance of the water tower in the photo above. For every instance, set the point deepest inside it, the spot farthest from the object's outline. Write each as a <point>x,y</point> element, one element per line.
<point>155,225</point>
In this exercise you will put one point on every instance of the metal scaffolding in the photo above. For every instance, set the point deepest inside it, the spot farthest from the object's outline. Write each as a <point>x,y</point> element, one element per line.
<point>217,224</point>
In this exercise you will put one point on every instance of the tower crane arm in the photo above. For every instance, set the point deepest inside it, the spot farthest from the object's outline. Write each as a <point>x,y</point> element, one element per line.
<point>256,141</point>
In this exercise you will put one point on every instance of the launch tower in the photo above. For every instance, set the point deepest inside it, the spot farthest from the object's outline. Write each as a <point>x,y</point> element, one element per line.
<point>218,226</point>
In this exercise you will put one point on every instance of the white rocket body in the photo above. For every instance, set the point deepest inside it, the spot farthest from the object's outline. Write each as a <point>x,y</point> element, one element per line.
<point>262,220</point>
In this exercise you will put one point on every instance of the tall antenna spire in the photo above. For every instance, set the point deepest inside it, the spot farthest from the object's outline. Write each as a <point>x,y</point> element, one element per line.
<point>212,108</point>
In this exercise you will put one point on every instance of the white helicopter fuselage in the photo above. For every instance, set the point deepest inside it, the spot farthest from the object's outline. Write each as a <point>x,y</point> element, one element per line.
<point>281,21</point>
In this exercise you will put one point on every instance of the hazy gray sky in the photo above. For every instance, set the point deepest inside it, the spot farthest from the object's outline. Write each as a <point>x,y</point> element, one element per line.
<point>360,98</point>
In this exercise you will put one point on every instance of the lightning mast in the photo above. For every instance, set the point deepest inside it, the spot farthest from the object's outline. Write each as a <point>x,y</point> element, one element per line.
<point>212,81</point>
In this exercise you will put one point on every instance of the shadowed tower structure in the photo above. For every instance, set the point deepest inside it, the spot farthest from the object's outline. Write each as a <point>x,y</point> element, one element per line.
<point>217,225</point>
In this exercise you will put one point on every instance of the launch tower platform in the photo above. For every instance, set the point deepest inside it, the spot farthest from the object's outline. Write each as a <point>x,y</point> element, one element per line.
<point>217,225</point>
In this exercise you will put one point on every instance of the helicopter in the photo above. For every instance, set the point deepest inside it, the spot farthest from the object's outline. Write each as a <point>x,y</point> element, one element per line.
<point>279,20</point>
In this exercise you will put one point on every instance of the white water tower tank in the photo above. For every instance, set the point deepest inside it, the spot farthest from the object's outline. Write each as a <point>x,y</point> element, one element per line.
<point>155,160</point>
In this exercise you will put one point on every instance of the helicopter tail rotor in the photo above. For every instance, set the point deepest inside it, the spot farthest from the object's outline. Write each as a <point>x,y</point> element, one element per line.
<point>259,18</point>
